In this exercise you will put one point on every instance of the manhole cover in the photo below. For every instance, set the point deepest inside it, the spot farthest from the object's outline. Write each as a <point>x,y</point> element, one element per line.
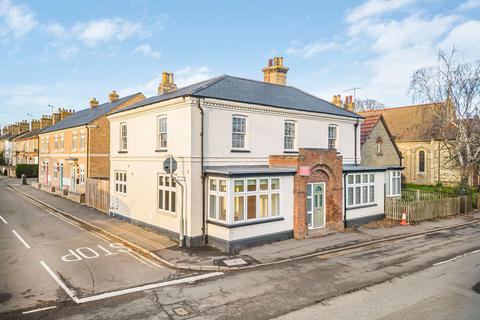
<point>234,262</point>
<point>179,311</point>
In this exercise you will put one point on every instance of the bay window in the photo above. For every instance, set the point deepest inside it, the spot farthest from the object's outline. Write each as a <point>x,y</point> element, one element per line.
<point>250,199</point>
<point>360,189</point>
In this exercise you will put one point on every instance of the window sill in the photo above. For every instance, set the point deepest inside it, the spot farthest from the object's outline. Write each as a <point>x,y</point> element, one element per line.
<point>290,151</point>
<point>122,151</point>
<point>161,150</point>
<point>362,206</point>
<point>393,195</point>
<point>246,223</point>
<point>167,213</point>
<point>240,150</point>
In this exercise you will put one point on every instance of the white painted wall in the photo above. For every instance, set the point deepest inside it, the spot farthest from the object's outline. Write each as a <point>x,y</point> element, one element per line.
<point>142,163</point>
<point>353,213</point>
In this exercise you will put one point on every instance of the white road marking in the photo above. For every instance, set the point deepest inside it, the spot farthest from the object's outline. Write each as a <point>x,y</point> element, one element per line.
<point>21,239</point>
<point>455,258</point>
<point>4,221</point>
<point>38,310</point>
<point>111,294</point>
<point>70,293</point>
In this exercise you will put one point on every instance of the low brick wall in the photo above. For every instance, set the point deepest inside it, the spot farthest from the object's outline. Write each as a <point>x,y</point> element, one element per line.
<point>77,197</point>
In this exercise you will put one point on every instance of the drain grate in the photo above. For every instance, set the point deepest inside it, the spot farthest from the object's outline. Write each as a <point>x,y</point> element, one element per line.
<point>179,311</point>
<point>234,262</point>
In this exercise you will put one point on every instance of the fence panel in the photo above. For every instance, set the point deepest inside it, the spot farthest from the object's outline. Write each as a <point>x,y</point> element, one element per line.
<point>419,210</point>
<point>97,194</point>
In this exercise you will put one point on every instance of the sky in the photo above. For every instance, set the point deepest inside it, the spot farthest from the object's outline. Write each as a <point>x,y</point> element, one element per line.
<point>63,53</point>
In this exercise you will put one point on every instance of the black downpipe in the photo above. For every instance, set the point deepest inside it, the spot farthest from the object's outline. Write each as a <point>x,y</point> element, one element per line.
<point>356,126</point>
<point>202,115</point>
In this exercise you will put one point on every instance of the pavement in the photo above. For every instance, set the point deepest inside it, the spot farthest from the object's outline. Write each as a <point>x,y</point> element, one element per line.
<point>170,254</point>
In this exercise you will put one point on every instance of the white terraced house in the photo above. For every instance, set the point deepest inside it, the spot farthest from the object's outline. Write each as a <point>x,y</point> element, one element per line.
<point>256,162</point>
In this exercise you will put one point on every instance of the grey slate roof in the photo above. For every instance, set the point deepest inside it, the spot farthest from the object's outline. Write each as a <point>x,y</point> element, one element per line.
<point>251,91</point>
<point>86,116</point>
<point>249,170</point>
<point>30,134</point>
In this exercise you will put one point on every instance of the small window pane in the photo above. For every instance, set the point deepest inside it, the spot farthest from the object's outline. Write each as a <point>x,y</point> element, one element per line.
<point>160,181</point>
<point>358,192</point>
<point>365,194</point>
<point>365,178</point>
<point>213,184</point>
<point>263,205</point>
<point>167,200</point>
<point>350,196</point>
<point>174,184</point>
<point>358,178</point>
<point>167,181</point>
<point>275,183</point>
<point>372,177</point>
<point>251,207</point>
<point>160,199</point>
<point>213,203</point>
<point>251,185</point>
<point>222,185</point>
<point>263,184</point>
<point>350,179</point>
<point>309,190</point>
<point>222,208</point>
<point>275,204</point>
<point>173,201</point>
<point>372,193</point>
<point>238,213</point>
<point>238,185</point>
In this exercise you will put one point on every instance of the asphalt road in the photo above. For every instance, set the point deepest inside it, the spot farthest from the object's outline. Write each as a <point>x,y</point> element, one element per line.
<point>450,290</point>
<point>34,243</point>
<point>261,293</point>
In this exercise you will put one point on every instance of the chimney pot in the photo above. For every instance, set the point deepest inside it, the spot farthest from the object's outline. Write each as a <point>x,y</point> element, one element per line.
<point>93,103</point>
<point>113,96</point>
<point>167,84</point>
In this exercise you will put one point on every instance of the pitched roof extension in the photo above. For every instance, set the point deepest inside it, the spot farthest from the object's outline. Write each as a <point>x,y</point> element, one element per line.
<point>86,116</point>
<point>236,89</point>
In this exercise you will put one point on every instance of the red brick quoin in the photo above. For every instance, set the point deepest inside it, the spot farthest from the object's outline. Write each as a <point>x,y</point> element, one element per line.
<point>323,166</point>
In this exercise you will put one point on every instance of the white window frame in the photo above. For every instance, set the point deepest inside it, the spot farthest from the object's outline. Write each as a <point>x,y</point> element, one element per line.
<point>123,145</point>
<point>334,145</point>
<point>244,133</point>
<point>171,189</point>
<point>61,142</point>
<point>83,143</point>
<point>47,144</point>
<point>292,135</point>
<point>55,142</point>
<point>217,193</point>
<point>162,133</point>
<point>120,182</point>
<point>355,183</point>
<point>231,194</point>
<point>395,180</point>
<point>74,141</point>
<point>81,176</point>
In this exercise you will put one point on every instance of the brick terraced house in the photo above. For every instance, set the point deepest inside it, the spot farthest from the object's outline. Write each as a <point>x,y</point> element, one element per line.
<point>77,147</point>
<point>255,162</point>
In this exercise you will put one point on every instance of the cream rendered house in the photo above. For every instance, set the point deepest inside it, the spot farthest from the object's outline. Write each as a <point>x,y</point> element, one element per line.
<point>256,162</point>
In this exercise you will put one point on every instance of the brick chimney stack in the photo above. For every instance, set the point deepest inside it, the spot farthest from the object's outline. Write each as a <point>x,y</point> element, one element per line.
<point>45,121</point>
<point>337,100</point>
<point>56,117</point>
<point>64,113</point>
<point>24,126</point>
<point>15,128</point>
<point>35,125</point>
<point>167,84</point>
<point>275,72</point>
<point>113,96</point>
<point>93,103</point>
<point>349,104</point>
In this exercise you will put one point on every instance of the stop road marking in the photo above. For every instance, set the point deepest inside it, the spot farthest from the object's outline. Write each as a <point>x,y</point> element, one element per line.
<point>89,253</point>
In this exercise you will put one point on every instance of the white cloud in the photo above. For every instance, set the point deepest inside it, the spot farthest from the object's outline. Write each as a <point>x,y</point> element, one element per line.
<point>469,5</point>
<point>104,30</point>
<point>146,50</point>
<point>190,75</point>
<point>374,8</point>
<point>312,49</point>
<point>182,78</point>
<point>17,20</point>
<point>464,38</point>
<point>55,29</point>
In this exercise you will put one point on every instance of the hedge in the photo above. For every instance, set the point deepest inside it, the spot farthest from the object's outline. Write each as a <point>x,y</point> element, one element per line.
<point>30,170</point>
